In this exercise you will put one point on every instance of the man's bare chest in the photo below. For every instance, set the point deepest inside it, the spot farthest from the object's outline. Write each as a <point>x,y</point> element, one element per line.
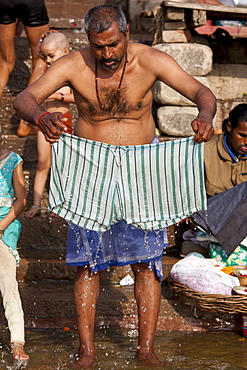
<point>107,99</point>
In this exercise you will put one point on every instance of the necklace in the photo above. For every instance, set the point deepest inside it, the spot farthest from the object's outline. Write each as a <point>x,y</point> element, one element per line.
<point>102,106</point>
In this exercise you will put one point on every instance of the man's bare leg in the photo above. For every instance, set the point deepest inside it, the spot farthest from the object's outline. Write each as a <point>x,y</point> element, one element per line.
<point>147,294</point>
<point>86,291</point>
<point>7,53</point>
<point>38,69</point>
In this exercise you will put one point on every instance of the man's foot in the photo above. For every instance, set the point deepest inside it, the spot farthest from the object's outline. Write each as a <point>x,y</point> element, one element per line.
<point>18,352</point>
<point>148,358</point>
<point>84,362</point>
<point>25,129</point>
<point>32,212</point>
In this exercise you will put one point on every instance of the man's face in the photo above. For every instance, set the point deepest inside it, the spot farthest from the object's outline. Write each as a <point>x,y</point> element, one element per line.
<point>237,138</point>
<point>109,47</point>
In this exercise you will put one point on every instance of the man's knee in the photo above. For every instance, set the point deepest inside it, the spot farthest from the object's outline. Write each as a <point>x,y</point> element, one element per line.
<point>86,273</point>
<point>7,63</point>
<point>141,268</point>
<point>143,272</point>
<point>43,164</point>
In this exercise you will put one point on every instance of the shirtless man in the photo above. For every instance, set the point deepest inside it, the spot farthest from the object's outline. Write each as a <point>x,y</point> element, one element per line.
<point>113,83</point>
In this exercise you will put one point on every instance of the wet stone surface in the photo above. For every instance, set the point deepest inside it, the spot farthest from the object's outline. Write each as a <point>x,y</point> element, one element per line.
<point>56,349</point>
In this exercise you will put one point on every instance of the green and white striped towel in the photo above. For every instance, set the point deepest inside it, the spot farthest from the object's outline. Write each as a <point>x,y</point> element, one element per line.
<point>95,185</point>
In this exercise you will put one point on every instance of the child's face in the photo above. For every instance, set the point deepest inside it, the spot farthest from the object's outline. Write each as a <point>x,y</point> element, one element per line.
<point>52,52</point>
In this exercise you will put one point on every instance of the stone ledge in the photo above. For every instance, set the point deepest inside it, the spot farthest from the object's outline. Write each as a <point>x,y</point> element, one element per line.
<point>51,305</point>
<point>52,266</point>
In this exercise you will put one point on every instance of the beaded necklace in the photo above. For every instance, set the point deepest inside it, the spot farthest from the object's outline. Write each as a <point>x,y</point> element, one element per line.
<point>102,106</point>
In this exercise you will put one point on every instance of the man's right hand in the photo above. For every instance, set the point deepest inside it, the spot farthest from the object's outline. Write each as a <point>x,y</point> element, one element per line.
<point>52,125</point>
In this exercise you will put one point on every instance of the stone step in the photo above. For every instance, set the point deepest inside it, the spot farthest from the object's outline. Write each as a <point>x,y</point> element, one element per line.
<point>50,304</point>
<point>42,232</point>
<point>69,14</point>
<point>39,264</point>
<point>50,234</point>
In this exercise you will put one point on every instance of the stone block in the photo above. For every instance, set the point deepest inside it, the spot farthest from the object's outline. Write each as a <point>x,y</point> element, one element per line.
<point>173,14</point>
<point>41,270</point>
<point>175,25</point>
<point>173,36</point>
<point>198,18</point>
<point>43,232</point>
<point>193,58</point>
<point>164,94</point>
<point>228,81</point>
<point>176,121</point>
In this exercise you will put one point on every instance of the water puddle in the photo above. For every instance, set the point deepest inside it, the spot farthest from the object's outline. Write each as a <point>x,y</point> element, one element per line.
<point>55,349</point>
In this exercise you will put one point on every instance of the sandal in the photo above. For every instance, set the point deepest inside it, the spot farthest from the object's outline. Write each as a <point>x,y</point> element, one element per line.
<point>32,212</point>
<point>18,351</point>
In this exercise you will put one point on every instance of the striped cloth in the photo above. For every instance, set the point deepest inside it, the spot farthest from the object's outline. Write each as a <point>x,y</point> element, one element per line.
<point>151,186</point>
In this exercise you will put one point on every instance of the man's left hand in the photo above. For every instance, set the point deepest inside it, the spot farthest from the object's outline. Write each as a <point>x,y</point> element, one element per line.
<point>203,129</point>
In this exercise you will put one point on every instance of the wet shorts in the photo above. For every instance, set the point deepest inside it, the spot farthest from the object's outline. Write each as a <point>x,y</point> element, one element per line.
<point>33,13</point>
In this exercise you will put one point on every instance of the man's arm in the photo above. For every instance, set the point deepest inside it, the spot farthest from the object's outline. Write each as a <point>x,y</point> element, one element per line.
<point>27,102</point>
<point>174,76</point>
<point>202,124</point>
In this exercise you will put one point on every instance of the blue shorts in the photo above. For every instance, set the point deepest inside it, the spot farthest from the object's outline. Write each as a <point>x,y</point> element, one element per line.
<point>33,13</point>
<point>121,245</point>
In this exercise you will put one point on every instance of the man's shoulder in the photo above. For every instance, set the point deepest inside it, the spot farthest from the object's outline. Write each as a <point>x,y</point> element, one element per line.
<point>139,49</point>
<point>143,53</point>
<point>213,146</point>
<point>79,53</point>
<point>77,58</point>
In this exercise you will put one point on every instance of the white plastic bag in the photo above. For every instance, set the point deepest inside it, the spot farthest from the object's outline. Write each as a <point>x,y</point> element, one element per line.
<point>202,275</point>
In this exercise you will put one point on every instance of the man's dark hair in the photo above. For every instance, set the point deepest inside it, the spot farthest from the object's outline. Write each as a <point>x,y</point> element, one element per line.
<point>236,115</point>
<point>101,17</point>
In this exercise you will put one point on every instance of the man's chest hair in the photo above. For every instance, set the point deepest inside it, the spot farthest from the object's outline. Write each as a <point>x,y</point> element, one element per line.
<point>113,103</point>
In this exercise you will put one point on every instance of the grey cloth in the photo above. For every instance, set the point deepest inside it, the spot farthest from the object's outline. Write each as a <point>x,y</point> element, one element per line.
<point>226,217</point>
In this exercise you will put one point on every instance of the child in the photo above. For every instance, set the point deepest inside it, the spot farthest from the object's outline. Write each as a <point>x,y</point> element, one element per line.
<point>52,46</point>
<point>12,202</point>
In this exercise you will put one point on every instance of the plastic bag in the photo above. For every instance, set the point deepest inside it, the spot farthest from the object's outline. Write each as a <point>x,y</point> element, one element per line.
<point>203,275</point>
